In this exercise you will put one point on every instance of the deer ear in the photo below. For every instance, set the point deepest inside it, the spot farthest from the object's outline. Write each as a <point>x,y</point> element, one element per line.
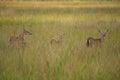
<point>23,29</point>
<point>100,31</point>
<point>57,34</point>
<point>106,31</point>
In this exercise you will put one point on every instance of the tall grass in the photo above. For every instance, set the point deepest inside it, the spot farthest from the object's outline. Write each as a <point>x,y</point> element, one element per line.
<point>71,60</point>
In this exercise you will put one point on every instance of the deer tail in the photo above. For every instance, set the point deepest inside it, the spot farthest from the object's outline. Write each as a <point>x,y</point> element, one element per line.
<point>87,43</point>
<point>51,42</point>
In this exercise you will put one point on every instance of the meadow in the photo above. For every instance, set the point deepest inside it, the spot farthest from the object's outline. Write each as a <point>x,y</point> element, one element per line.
<point>70,60</point>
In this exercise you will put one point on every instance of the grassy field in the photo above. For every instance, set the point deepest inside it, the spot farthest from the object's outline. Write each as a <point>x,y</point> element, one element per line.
<point>70,60</point>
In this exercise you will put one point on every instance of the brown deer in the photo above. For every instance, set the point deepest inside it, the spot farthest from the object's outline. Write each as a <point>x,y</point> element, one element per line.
<point>91,41</point>
<point>19,40</point>
<point>57,41</point>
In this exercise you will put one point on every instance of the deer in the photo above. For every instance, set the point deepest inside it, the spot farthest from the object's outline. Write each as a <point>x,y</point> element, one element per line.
<point>19,39</point>
<point>97,41</point>
<point>57,41</point>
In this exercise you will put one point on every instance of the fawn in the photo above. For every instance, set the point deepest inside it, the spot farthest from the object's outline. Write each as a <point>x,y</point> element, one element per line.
<point>57,41</point>
<point>19,40</point>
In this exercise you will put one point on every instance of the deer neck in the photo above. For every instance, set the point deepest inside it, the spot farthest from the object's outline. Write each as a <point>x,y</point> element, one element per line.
<point>59,40</point>
<point>23,36</point>
<point>102,38</point>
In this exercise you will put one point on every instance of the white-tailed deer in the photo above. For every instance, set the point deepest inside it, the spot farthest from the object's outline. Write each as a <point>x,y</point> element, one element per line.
<point>57,41</point>
<point>19,40</point>
<point>95,42</point>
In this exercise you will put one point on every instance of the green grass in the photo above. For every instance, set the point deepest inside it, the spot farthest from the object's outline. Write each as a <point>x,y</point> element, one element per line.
<point>71,60</point>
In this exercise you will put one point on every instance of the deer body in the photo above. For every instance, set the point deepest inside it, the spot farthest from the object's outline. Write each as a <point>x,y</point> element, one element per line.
<point>13,39</point>
<point>96,42</point>
<point>53,41</point>
<point>91,41</point>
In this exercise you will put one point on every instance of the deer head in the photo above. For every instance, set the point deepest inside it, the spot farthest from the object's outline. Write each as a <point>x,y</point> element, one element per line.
<point>103,33</point>
<point>26,32</point>
<point>60,36</point>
